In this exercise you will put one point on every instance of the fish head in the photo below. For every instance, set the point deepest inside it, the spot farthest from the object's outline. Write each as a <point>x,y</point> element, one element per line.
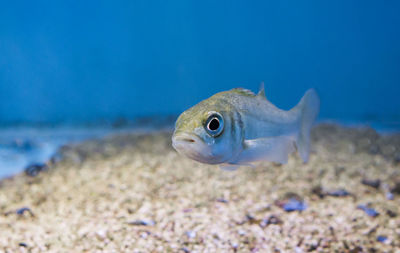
<point>207,133</point>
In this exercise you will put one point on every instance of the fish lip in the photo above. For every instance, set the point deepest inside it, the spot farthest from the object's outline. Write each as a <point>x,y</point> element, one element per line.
<point>192,146</point>
<point>182,138</point>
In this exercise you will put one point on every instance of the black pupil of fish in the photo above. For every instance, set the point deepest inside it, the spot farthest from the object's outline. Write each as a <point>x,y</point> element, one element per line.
<point>214,124</point>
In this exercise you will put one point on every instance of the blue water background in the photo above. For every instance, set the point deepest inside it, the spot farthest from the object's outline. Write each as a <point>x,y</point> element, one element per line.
<point>84,60</point>
<point>91,61</point>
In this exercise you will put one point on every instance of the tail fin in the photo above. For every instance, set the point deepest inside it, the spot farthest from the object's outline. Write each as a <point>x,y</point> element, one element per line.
<point>308,108</point>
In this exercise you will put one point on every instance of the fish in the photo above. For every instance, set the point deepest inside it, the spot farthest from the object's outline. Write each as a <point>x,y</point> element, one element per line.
<point>238,127</point>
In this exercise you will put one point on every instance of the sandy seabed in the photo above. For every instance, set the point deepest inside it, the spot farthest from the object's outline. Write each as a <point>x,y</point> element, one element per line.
<point>134,193</point>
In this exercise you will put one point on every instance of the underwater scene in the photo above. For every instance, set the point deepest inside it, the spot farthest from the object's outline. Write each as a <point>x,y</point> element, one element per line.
<point>200,126</point>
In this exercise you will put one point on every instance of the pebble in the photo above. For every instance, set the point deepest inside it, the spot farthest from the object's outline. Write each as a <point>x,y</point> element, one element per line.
<point>369,211</point>
<point>34,169</point>
<point>396,188</point>
<point>391,213</point>
<point>144,234</point>
<point>22,244</point>
<point>142,223</point>
<point>222,200</point>
<point>294,205</point>
<point>234,245</point>
<point>251,219</point>
<point>298,250</point>
<point>241,232</point>
<point>101,234</point>
<point>372,183</point>
<point>321,192</point>
<point>389,196</point>
<point>190,234</point>
<point>338,193</point>
<point>396,158</point>
<point>186,250</point>
<point>381,238</point>
<point>317,190</point>
<point>314,246</point>
<point>23,210</point>
<point>271,220</point>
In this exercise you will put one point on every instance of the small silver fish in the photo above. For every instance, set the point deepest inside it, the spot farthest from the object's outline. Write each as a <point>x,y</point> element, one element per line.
<point>238,127</point>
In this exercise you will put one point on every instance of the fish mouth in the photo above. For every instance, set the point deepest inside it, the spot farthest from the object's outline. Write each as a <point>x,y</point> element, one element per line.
<point>184,138</point>
<point>180,140</point>
<point>191,146</point>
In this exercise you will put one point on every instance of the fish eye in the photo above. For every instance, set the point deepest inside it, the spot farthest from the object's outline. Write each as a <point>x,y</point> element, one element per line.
<point>214,124</point>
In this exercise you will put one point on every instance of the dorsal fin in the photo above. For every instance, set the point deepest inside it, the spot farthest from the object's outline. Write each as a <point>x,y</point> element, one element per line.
<point>244,92</point>
<point>261,92</point>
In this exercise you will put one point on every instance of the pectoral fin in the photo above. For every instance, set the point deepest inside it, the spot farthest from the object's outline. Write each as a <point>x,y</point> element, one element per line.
<point>273,149</point>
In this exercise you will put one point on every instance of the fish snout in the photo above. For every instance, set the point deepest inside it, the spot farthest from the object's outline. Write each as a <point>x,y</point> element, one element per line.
<point>182,140</point>
<point>194,147</point>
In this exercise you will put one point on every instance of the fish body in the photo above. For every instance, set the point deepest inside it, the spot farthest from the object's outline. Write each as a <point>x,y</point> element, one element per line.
<point>238,127</point>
